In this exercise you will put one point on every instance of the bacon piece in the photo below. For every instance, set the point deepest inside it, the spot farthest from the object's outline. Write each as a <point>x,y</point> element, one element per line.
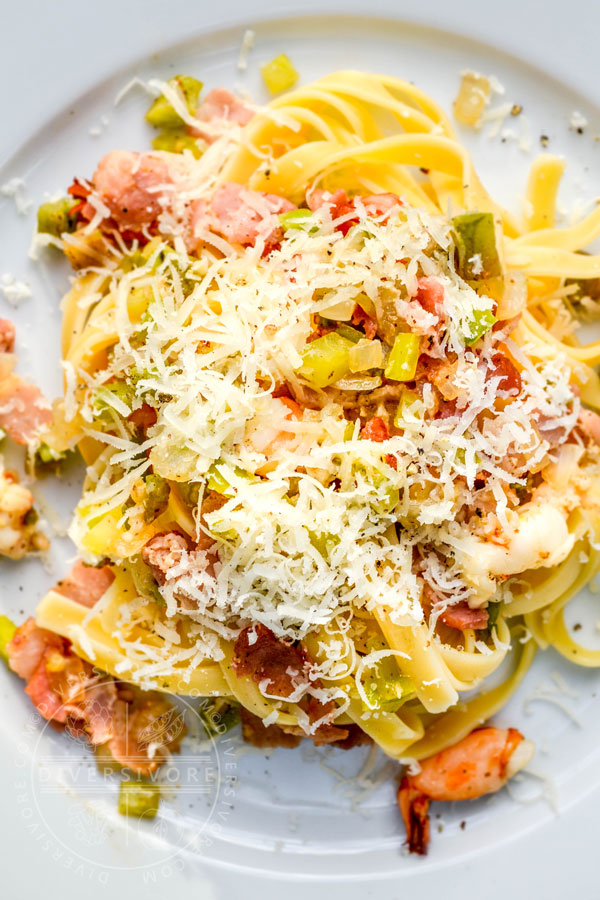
<point>430,295</point>
<point>256,734</point>
<point>85,584</point>
<point>280,663</point>
<point>144,727</point>
<point>376,430</point>
<point>138,726</point>
<point>144,417</point>
<point>461,616</point>
<point>504,368</point>
<point>129,185</point>
<point>23,409</point>
<point>7,336</point>
<point>164,551</point>
<point>269,658</point>
<point>361,318</point>
<point>241,215</point>
<point>220,106</point>
<point>340,205</point>
<point>590,423</point>
<point>28,646</point>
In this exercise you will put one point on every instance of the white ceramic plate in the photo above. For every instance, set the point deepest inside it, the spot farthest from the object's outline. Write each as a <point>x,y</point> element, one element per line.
<point>290,816</point>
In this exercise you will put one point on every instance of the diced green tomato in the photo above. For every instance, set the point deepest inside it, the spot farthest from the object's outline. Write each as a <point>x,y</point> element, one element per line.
<point>299,220</point>
<point>162,115</point>
<point>176,140</point>
<point>409,404</point>
<point>144,581</point>
<point>7,632</point>
<point>138,799</point>
<point>216,481</point>
<point>279,74</point>
<point>45,454</point>
<point>388,694</point>
<point>476,244</point>
<point>325,360</point>
<point>55,216</point>
<point>366,355</point>
<point>402,361</point>
<point>493,613</point>
<point>219,715</point>
<point>350,333</point>
<point>117,395</point>
<point>480,322</point>
<point>156,497</point>
<point>323,542</point>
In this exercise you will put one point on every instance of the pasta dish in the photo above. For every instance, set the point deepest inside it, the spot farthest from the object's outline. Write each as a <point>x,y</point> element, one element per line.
<point>342,461</point>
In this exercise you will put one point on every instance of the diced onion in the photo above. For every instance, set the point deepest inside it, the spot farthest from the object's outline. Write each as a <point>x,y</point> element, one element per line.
<point>365,355</point>
<point>472,98</point>
<point>358,383</point>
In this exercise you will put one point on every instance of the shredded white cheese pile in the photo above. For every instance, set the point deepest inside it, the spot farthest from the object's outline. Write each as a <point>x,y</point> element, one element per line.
<point>316,533</point>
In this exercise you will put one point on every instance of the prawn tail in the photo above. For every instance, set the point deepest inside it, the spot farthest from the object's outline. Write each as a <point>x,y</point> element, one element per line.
<point>414,807</point>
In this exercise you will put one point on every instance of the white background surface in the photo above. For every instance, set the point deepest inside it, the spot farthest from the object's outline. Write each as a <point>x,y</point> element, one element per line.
<point>50,54</point>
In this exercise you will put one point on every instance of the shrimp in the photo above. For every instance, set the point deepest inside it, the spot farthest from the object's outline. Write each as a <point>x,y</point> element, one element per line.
<point>479,764</point>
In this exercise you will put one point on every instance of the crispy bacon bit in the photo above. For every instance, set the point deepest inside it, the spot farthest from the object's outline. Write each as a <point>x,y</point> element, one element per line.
<point>85,584</point>
<point>7,336</point>
<point>430,295</point>
<point>261,656</point>
<point>340,205</point>
<point>376,430</point>
<point>360,318</point>
<point>504,368</point>
<point>144,417</point>
<point>461,616</point>
<point>164,551</point>
<point>256,734</point>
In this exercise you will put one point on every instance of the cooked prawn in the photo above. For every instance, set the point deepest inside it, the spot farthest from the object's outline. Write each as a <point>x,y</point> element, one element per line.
<point>480,764</point>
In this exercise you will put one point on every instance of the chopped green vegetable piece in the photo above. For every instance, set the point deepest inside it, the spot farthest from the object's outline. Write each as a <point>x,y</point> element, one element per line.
<point>351,334</point>
<point>176,140</point>
<point>409,404</point>
<point>45,454</point>
<point>162,114</point>
<point>480,322</point>
<point>299,220</point>
<point>138,799</point>
<point>7,632</point>
<point>493,613</point>
<point>218,715</point>
<point>279,74</point>
<point>388,693</point>
<point>117,395</point>
<point>402,361</point>
<point>216,481</point>
<point>476,245</point>
<point>326,360</point>
<point>156,497</point>
<point>323,542</point>
<point>55,216</point>
<point>144,581</point>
